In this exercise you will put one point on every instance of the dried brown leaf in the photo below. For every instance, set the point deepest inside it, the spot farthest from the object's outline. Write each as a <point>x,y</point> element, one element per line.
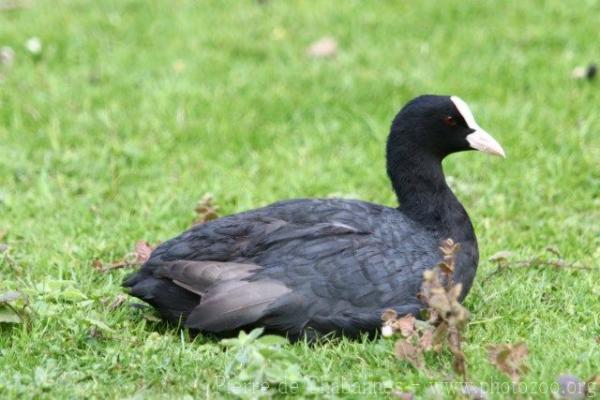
<point>140,255</point>
<point>428,275</point>
<point>142,251</point>
<point>552,249</point>
<point>426,340</point>
<point>509,358</point>
<point>454,292</point>
<point>592,385</point>
<point>206,210</point>
<point>389,315</point>
<point>519,352</point>
<point>102,267</point>
<point>459,362</point>
<point>459,317</point>
<point>152,318</point>
<point>449,247</point>
<point>446,268</point>
<point>440,303</point>
<point>439,336</point>
<point>117,302</point>
<point>445,312</point>
<point>408,352</point>
<point>454,339</point>
<point>500,256</point>
<point>406,325</point>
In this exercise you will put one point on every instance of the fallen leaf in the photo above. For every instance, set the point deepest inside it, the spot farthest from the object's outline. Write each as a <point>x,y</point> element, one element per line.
<point>439,336</point>
<point>455,291</point>
<point>389,315</point>
<point>411,353</point>
<point>446,268</point>
<point>206,210</point>
<point>142,251</point>
<point>406,325</point>
<point>500,256</point>
<point>152,318</point>
<point>117,302</point>
<point>449,247</point>
<point>503,262</point>
<point>459,362</point>
<point>426,340</point>
<point>101,267</point>
<point>140,255</point>
<point>591,385</point>
<point>444,309</point>
<point>509,359</point>
<point>553,250</point>
<point>449,251</point>
<point>325,47</point>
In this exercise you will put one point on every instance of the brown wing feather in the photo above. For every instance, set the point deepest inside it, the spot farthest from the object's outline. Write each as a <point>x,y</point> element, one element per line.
<point>199,276</point>
<point>234,304</point>
<point>228,300</point>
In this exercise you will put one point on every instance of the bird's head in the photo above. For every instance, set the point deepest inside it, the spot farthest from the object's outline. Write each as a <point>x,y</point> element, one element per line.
<point>438,126</point>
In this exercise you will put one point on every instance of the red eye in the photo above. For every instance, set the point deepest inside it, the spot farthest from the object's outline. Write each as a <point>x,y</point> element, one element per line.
<point>449,121</point>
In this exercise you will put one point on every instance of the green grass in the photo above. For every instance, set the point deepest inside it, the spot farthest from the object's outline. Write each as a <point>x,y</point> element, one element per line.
<point>136,109</point>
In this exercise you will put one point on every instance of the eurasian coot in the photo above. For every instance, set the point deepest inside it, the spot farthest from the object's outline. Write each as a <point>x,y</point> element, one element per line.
<point>314,266</point>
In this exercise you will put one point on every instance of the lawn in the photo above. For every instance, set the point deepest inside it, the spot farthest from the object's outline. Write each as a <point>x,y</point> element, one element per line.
<point>133,110</point>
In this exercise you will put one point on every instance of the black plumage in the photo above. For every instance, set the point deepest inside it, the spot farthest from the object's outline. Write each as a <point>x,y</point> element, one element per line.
<point>315,266</point>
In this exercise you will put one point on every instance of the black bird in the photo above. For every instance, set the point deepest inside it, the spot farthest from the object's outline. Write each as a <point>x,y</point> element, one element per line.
<point>309,267</point>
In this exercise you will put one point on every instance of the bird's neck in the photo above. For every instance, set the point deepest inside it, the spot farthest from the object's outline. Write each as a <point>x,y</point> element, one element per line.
<point>425,197</point>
